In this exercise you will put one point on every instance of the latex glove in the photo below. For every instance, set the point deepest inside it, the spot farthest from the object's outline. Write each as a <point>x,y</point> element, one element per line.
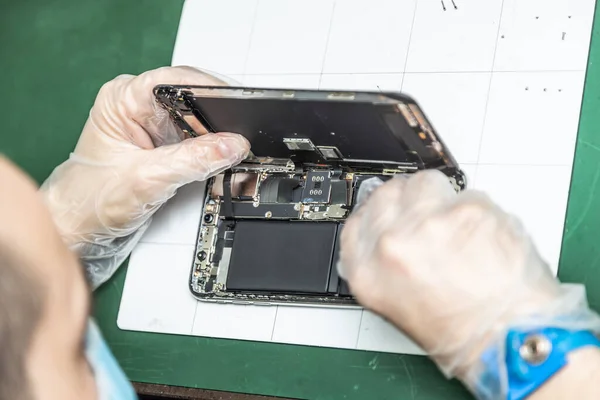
<point>453,271</point>
<point>129,160</point>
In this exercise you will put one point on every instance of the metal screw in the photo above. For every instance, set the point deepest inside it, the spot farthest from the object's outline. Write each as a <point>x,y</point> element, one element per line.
<point>297,206</point>
<point>268,214</point>
<point>536,349</point>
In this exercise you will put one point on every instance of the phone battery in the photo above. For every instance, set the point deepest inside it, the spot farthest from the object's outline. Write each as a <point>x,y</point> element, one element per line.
<point>281,256</point>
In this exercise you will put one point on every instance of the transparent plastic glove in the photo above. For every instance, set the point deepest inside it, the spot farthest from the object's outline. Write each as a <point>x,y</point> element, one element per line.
<point>453,271</point>
<point>129,160</point>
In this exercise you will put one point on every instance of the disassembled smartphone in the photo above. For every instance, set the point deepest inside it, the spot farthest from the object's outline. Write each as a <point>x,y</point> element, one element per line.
<point>271,225</point>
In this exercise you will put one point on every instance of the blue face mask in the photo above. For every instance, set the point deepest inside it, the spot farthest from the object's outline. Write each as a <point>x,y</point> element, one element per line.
<point>111,382</point>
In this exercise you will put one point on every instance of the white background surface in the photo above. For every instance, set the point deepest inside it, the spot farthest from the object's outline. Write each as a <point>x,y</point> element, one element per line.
<point>502,81</point>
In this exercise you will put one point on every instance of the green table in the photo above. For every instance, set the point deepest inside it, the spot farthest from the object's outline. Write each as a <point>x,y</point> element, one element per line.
<point>55,54</point>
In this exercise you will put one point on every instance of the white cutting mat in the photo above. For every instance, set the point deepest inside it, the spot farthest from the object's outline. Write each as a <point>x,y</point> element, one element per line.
<point>501,80</point>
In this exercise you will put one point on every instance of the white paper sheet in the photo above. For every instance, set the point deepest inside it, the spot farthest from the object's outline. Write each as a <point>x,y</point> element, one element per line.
<point>502,81</point>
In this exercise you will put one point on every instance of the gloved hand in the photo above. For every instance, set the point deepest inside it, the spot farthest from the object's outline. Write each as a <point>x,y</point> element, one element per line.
<point>453,271</point>
<point>129,160</point>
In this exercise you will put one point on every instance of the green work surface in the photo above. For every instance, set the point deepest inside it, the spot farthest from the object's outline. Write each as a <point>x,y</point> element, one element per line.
<point>55,54</point>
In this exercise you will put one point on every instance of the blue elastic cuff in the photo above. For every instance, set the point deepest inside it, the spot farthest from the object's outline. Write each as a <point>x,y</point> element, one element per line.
<point>532,357</point>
